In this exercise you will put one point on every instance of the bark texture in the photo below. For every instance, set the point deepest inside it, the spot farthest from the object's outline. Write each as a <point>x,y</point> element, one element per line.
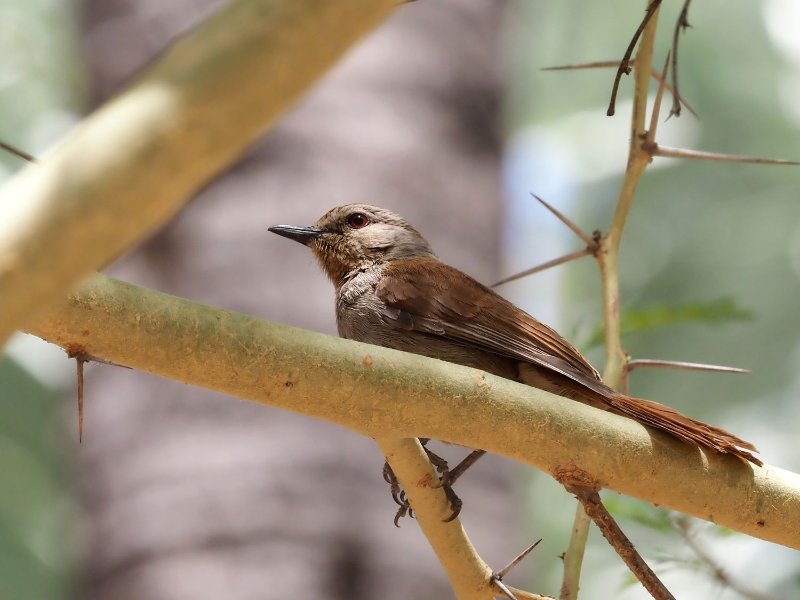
<point>208,498</point>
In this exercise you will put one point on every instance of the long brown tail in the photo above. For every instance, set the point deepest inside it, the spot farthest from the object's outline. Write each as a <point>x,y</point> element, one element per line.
<point>685,428</point>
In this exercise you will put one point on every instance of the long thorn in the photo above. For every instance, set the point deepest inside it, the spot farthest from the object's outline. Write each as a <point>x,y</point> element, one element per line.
<point>544,266</point>
<point>80,360</point>
<point>505,570</point>
<point>647,363</point>
<point>605,64</point>
<point>650,137</point>
<point>17,152</point>
<point>590,241</point>
<point>602,64</point>
<point>498,583</point>
<point>666,151</point>
<point>523,595</point>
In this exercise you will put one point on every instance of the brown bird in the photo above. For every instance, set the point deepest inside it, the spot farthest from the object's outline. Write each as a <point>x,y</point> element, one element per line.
<point>392,291</point>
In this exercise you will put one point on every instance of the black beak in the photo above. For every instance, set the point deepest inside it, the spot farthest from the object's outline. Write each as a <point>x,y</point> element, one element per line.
<point>304,235</point>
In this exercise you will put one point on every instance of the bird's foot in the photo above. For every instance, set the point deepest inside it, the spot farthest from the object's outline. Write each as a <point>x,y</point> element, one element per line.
<point>398,495</point>
<point>447,478</point>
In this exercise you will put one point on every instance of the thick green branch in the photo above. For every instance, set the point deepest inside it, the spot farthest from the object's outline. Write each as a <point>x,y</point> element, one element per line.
<point>388,394</point>
<point>132,164</point>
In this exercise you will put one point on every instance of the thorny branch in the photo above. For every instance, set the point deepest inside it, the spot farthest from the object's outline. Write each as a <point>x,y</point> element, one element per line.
<point>683,525</point>
<point>586,490</point>
<point>615,64</point>
<point>624,65</point>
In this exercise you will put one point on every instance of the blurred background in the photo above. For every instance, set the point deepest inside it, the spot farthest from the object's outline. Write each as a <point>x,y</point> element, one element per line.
<point>445,116</point>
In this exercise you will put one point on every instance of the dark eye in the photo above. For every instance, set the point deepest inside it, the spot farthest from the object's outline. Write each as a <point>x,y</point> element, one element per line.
<point>357,220</point>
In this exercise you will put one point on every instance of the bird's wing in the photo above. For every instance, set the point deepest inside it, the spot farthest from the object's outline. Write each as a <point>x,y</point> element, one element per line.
<point>425,295</point>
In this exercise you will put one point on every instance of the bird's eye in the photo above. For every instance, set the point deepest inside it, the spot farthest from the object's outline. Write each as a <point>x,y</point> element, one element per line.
<point>357,220</point>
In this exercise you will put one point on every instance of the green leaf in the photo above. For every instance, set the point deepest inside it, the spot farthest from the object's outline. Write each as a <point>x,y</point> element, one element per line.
<point>715,312</point>
<point>650,516</point>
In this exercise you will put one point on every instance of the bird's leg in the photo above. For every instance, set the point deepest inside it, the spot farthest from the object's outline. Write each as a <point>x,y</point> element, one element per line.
<point>465,464</point>
<point>447,478</point>
<point>398,495</point>
<point>394,485</point>
<point>442,468</point>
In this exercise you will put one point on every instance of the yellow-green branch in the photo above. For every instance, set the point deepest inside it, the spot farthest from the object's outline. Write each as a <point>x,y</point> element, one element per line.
<point>384,393</point>
<point>133,163</point>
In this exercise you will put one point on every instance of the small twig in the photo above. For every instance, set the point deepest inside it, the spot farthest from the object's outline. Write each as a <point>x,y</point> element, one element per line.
<point>465,464</point>
<point>615,64</point>
<point>573,557</point>
<point>624,65</point>
<point>650,136</point>
<point>585,489</point>
<point>682,525</point>
<point>17,152</point>
<point>546,265</point>
<point>659,150</point>
<point>680,25</point>
<point>523,595</point>
<point>648,363</point>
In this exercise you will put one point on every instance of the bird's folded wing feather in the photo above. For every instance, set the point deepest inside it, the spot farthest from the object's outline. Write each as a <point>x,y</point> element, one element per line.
<point>425,295</point>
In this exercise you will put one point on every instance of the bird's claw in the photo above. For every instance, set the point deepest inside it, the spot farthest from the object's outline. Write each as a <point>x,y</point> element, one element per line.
<point>445,482</point>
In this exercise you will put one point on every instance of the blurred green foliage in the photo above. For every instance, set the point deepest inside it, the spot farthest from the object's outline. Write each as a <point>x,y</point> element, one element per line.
<point>34,502</point>
<point>42,90</point>
<point>697,230</point>
<point>638,320</point>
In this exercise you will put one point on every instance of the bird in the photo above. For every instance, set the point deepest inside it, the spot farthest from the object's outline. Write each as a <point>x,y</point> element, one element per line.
<point>393,291</point>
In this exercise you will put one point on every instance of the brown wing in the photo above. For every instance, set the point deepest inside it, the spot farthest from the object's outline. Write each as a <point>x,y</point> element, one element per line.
<point>425,295</point>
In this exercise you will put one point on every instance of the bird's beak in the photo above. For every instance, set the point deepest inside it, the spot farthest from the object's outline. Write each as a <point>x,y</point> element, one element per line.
<point>304,235</point>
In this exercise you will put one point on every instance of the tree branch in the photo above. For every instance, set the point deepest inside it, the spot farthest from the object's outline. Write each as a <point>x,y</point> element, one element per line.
<point>132,164</point>
<point>384,393</point>
<point>468,574</point>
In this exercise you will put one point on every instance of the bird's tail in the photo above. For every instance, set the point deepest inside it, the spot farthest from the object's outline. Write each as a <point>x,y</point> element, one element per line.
<point>679,425</point>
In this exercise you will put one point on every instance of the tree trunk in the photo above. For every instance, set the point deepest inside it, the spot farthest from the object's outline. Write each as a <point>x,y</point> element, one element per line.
<point>188,494</point>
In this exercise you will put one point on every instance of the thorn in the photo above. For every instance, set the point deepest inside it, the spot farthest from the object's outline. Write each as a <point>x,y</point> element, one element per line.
<point>17,152</point>
<point>675,96</point>
<point>498,583</point>
<point>650,137</point>
<point>80,360</point>
<point>604,64</point>
<point>505,570</point>
<point>666,151</point>
<point>615,63</point>
<point>648,363</point>
<point>544,266</point>
<point>590,241</point>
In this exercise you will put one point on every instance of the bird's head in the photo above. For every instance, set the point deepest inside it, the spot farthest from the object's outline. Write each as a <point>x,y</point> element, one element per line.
<point>355,236</point>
